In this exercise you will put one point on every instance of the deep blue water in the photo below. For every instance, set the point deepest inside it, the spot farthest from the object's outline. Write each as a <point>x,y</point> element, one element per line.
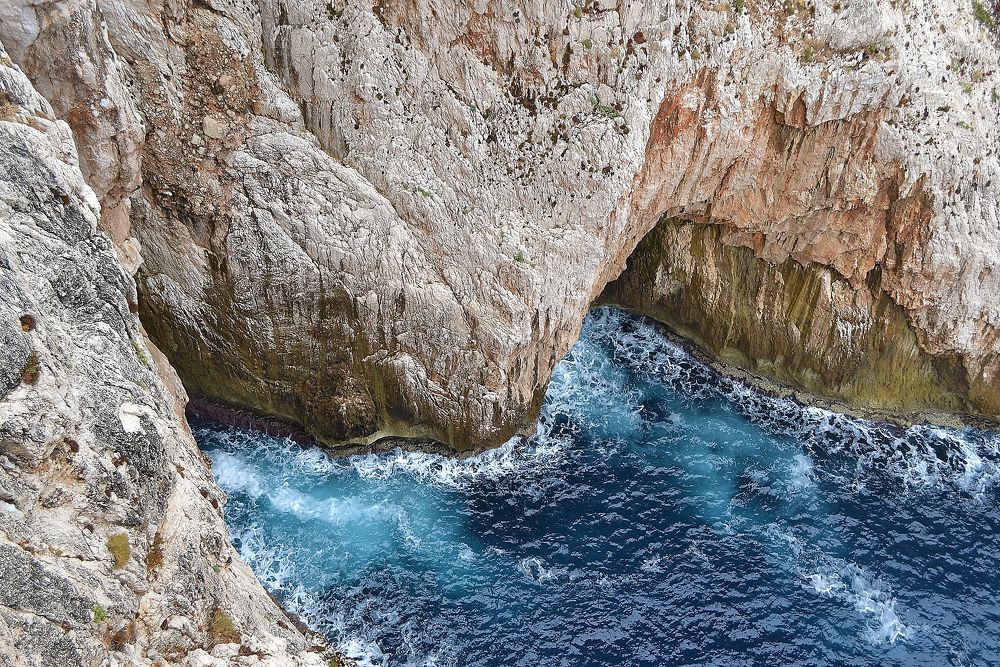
<point>662,515</point>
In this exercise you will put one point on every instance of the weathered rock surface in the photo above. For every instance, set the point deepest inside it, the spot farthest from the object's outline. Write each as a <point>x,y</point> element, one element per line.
<point>113,550</point>
<point>392,216</point>
<point>804,326</point>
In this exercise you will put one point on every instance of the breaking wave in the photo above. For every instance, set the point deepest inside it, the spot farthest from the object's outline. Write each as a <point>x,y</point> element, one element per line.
<point>660,514</point>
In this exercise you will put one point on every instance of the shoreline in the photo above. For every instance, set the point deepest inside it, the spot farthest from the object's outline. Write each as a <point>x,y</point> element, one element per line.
<point>201,409</point>
<point>806,399</point>
<point>204,409</point>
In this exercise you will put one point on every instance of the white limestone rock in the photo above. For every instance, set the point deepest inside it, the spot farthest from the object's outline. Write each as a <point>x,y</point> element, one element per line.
<point>93,444</point>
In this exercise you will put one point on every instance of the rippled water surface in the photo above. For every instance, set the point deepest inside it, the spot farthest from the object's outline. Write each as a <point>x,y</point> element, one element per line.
<point>661,515</point>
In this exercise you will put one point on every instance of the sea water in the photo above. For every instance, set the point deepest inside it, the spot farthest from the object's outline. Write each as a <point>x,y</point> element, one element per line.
<point>660,515</point>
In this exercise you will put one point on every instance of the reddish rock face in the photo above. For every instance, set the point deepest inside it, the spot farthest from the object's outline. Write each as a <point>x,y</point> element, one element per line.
<point>824,195</point>
<point>391,219</point>
<point>780,186</point>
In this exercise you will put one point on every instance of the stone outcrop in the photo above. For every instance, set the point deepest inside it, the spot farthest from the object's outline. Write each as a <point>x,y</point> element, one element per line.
<point>113,549</point>
<point>802,325</point>
<point>376,218</point>
<point>390,217</point>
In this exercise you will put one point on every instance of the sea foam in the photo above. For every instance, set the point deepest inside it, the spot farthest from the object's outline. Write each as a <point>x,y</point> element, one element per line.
<point>403,553</point>
<point>918,457</point>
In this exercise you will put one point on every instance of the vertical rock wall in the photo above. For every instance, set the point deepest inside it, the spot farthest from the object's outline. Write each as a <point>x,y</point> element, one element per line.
<point>802,325</point>
<point>113,548</point>
<point>391,217</point>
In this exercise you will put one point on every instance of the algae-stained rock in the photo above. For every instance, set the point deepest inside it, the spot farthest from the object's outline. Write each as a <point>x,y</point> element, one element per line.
<point>800,324</point>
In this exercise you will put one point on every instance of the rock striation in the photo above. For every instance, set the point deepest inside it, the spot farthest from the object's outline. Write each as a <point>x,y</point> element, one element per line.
<point>113,549</point>
<point>803,326</point>
<point>379,218</point>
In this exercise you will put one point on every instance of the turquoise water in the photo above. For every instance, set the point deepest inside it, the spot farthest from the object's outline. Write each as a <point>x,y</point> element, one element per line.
<point>661,515</point>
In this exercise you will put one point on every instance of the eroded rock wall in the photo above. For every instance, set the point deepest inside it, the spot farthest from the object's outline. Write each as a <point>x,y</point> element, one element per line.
<point>803,325</point>
<point>392,216</point>
<point>113,548</point>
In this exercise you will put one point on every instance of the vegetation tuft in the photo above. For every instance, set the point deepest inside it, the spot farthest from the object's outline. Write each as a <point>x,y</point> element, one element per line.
<point>987,12</point>
<point>8,111</point>
<point>31,370</point>
<point>222,629</point>
<point>416,189</point>
<point>119,549</point>
<point>124,637</point>
<point>154,557</point>
<point>982,13</point>
<point>604,110</point>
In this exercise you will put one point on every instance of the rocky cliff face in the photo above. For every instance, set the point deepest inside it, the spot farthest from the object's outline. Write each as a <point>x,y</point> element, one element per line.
<point>112,545</point>
<point>390,217</point>
<point>803,325</point>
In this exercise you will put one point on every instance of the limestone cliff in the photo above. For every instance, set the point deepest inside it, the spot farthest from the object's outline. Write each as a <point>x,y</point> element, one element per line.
<point>803,325</point>
<point>392,216</point>
<point>113,550</point>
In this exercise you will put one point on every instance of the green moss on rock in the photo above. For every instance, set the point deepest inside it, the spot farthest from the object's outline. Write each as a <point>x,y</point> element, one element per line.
<point>800,325</point>
<point>119,549</point>
<point>222,628</point>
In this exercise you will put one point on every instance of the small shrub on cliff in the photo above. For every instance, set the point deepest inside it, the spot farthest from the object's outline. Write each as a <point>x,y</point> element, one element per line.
<point>175,651</point>
<point>8,111</point>
<point>416,189</point>
<point>604,110</point>
<point>222,629</point>
<point>154,557</point>
<point>983,14</point>
<point>31,370</point>
<point>119,549</point>
<point>100,613</point>
<point>125,636</point>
